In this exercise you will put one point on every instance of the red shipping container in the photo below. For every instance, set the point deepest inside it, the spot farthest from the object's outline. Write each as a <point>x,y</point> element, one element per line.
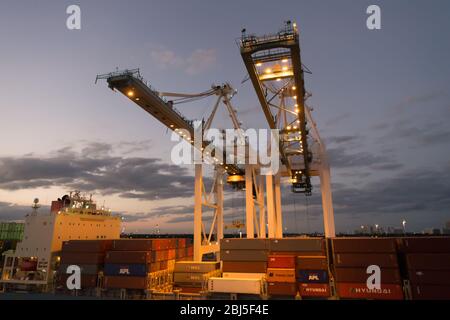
<point>281,261</point>
<point>359,275</point>
<point>360,291</point>
<point>135,257</point>
<point>363,260</point>
<point>428,261</point>
<point>133,244</point>
<point>82,258</point>
<point>118,282</point>
<point>430,292</point>
<point>438,277</point>
<point>364,245</point>
<point>83,246</point>
<point>314,289</point>
<point>171,254</point>
<point>281,288</point>
<point>312,263</point>
<point>424,244</point>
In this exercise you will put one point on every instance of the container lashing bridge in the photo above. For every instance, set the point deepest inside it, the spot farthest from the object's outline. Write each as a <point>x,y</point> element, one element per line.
<point>275,69</point>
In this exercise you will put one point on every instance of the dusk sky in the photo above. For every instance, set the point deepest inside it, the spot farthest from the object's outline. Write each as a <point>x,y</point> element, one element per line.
<point>381,100</point>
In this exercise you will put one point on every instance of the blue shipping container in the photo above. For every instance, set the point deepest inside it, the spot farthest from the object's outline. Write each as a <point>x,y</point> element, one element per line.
<point>312,276</point>
<point>132,270</point>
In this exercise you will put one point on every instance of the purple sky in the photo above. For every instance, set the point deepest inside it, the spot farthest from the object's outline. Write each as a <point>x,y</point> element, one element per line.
<point>381,100</point>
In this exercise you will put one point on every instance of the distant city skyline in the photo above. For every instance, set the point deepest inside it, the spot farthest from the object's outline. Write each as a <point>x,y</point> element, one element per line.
<point>381,100</point>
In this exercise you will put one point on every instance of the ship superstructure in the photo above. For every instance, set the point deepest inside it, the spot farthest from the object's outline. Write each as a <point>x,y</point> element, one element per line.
<point>72,217</point>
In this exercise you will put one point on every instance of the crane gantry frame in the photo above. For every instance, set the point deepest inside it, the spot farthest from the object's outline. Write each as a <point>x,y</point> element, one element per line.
<point>283,78</point>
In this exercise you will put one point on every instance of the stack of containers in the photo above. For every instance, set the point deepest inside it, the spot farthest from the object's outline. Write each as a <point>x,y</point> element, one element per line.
<point>189,276</point>
<point>427,262</point>
<point>130,262</point>
<point>89,255</point>
<point>351,259</point>
<point>11,231</point>
<point>311,267</point>
<point>244,258</point>
<point>281,275</point>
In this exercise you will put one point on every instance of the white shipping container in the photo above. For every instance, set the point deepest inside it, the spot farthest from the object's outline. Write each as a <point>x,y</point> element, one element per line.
<point>241,275</point>
<point>234,285</point>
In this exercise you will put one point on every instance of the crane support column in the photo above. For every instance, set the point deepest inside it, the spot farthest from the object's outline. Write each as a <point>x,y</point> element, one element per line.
<point>198,212</point>
<point>279,216</point>
<point>327,201</point>
<point>262,211</point>
<point>219,202</point>
<point>249,203</point>
<point>271,218</point>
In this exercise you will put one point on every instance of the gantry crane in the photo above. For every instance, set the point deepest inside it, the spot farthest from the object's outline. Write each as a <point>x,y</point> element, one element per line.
<point>275,69</point>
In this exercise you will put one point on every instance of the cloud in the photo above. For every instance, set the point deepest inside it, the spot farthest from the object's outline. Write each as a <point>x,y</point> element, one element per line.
<point>340,158</point>
<point>197,62</point>
<point>92,171</point>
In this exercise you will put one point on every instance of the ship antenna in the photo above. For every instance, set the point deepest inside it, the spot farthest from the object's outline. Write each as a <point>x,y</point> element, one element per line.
<point>35,206</point>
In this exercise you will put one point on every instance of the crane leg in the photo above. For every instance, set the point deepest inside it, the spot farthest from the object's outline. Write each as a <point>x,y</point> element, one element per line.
<point>198,213</point>
<point>327,201</point>
<point>249,203</point>
<point>279,216</point>
<point>271,218</point>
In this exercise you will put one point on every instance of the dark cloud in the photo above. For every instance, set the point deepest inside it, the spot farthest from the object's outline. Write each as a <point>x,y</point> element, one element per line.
<point>94,170</point>
<point>340,158</point>
<point>342,139</point>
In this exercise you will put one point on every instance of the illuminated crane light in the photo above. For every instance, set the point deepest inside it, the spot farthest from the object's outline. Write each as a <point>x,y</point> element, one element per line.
<point>284,60</point>
<point>294,87</point>
<point>295,97</point>
<point>278,79</point>
<point>259,64</point>
<point>130,93</point>
<point>285,68</point>
<point>268,70</point>
<point>288,127</point>
<point>137,99</point>
<point>172,126</point>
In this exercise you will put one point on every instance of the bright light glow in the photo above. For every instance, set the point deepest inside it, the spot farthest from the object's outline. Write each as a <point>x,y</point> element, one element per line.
<point>295,97</point>
<point>295,127</point>
<point>268,70</point>
<point>284,60</point>
<point>294,87</point>
<point>278,79</point>
<point>130,93</point>
<point>296,104</point>
<point>297,110</point>
<point>285,68</point>
<point>172,126</point>
<point>288,127</point>
<point>137,99</point>
<point>259,64</point>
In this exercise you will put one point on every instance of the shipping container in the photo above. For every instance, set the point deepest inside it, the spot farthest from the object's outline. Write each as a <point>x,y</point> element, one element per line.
<point>282,289</point>
<point>312,263</point>
<point>243,275</point>
<point>137,257</point>
<point>132,270</point>
<point>430,292</point>
<point>281,275</point>
<point>200,267</point>
<point>281,261</point>
<point>437,277</point>
<point>363,245</point>
<point>132,245</point>
<point>185,277</point>
<point>424,245</point>
<point>297,245</point>
<point>242,286</point>
<point>243,255</point>
<point>428,261</point>
<point>244,266</point>
<point>364,260</point>
<point>82,258</point>
<point>244,244</point>
<point>85,246</point>
<point>184,289</point>
<point>86,281</point>
<point>118,282</point>
<point>312,276</point>
<point>314,289</point>
<point>360,291</point>
<point>86,269</point>
<point>359,275</point>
